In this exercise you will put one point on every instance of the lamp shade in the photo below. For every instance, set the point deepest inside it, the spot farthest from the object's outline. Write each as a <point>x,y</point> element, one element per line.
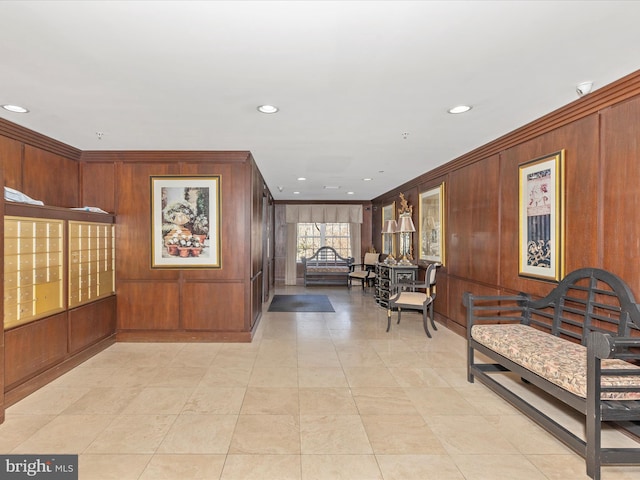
<point>390,226</point>
<point>406,224</point>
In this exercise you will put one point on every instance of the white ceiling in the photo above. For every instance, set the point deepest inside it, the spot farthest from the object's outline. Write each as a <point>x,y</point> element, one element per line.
<point>350,78</point>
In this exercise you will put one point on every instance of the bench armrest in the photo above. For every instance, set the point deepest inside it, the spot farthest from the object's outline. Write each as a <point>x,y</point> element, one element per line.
<point>604,345</point>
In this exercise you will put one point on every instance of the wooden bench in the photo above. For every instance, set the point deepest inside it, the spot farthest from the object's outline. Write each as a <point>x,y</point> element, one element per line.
<point>326,267</point>
<point>578,344</point>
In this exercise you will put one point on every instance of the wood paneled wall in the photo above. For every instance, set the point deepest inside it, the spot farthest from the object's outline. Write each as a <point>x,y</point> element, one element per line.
<point>600,135</point>
<point>219,304</point>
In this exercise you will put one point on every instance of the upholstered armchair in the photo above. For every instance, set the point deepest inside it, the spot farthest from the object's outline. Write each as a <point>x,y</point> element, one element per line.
<point>366,271</point>
<point>417,295</point>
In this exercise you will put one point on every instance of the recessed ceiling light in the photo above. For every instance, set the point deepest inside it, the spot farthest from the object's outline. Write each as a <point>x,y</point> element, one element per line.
<point>296,193</point>
<point>302,179</point>
<point>331,187</point>
<point>367,179</point>
<point>15,108</point>
<point>268,109</point>
<point>459,109</point>
<point>350,193</point>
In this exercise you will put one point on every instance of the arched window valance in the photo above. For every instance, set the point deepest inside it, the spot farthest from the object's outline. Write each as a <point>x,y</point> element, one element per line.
<point>323,213</point>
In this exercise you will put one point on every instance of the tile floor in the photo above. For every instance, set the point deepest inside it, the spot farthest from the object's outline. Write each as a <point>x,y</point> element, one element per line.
<point>314,396</point>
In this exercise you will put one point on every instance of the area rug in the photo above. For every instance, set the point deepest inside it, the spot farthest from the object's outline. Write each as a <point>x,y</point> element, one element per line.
<point>301,303</point>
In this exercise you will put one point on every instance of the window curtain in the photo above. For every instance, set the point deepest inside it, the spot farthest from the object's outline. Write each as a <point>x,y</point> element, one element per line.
<point>295,214</point>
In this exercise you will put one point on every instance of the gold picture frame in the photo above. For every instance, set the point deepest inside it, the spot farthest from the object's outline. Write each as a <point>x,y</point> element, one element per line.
<point>185,221</point>
<point>541,217</point>
<point>431,230</point>
<point>388,239</point>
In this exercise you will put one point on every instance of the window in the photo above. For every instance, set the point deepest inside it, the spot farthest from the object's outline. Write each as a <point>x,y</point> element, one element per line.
<point>312,236</point>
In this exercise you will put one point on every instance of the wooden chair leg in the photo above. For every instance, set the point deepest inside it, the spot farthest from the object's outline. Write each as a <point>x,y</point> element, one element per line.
<point>388,319</point>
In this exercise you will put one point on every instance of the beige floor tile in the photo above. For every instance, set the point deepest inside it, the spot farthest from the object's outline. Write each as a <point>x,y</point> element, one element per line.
<point>159,400</point>
<point>527,436</point>
<point>261,467</point>
<point>309,377</point>
<point>111,467</point>
<point>134,376</point>
<point>215,400</point>
<point>270,401</point>
<point>231,376</point>
<point>340,467</point>
<point>569,467</point>
<point>199,434</point>
<point>178,376</point>
<point>497,467</point>
<point>333,434</point>
<point>135,434</point>
<point>65,434</point>
<point>383,401</point>
<point>401,434</point>
<point>83,376</point>
<point>370,377</point>
<point>184,467</point>
<point>439,401</point>
<point>266,434</point>
<point>419,467</point>
<point>103,400</point>
<point>412,376</point>
<point>470,434</point>
<point>274,376</point>
<point>325,401</point>
<point>49,401</point>
<point>17,428</point>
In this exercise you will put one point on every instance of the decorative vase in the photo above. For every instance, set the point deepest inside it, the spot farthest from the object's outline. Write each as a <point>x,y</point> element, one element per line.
<point>172,249</point>
<point>195,251</point>
<point>184,251</point>
<point>201,238</point>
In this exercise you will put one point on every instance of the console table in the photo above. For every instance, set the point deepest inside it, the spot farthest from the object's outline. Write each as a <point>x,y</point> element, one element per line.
<point>388,274</point>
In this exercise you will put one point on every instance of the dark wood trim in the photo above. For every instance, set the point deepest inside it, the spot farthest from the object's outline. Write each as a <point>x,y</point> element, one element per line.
<point>38,211</point>
<point>35,139</point>
<point>184,336</point>
<point>151,156</point>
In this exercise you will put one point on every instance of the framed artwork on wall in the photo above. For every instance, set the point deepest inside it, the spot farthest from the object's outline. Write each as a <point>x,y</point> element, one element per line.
<point>185,221</point>
<point>541,217</point>
<point>388,239</point>
<point>431,230</point>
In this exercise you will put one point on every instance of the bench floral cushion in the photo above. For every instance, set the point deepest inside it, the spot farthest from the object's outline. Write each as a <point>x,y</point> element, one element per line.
<point>559,361</point>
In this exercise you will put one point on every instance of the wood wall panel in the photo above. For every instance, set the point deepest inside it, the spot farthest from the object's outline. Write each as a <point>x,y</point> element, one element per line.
<point>224,308</point>
<point>99,185</point>
<point>457,311</point>
<point>91,323</point>
<point>473,222</point>
<point>31,348</point>
<point>620,187</point>
<point>580,142</point>
<point>234,221</point>
<point>50,178</point>
<point>149,306</point>
<point>11,162</point>
<point>133,231</point>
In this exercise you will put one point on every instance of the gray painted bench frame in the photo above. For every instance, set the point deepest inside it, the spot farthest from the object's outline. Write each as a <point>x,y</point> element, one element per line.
<point>575,310</point>
<point>326,257</point>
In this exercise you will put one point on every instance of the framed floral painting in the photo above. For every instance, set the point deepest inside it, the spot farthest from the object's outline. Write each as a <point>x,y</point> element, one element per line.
<point>185,221</point>
<point>541,217</point>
